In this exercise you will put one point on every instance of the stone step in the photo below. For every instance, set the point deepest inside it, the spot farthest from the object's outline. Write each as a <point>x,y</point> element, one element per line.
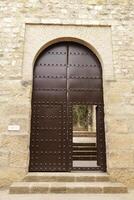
<point>66,187</point>
<point>84,144</point>
<point>83,134</point>
<point>84,157</point>
<point>66,177</point>
<point>86,148</point>
<point>84,152</point>
<point>84,139</point>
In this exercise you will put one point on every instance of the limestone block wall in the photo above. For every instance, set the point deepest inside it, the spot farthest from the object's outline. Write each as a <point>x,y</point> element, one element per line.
<point>15,92</point>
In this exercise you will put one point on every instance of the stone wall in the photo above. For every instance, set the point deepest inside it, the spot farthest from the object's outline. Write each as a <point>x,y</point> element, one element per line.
<point>15,93</point>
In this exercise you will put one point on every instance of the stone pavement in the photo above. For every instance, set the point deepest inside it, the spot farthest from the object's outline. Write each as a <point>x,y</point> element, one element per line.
<point>5,196</point>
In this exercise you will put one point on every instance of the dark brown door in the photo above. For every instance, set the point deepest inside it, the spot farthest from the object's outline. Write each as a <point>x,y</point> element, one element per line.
<point>65,74</point>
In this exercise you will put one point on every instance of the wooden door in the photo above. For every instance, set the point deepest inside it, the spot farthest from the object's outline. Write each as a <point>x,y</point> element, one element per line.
<point>65,74</point>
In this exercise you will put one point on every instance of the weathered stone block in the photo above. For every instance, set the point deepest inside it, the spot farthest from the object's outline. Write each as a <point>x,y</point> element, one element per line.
<point>15,142</point>
<point>18,109</point>
<point>122,175</point>
<point>119,2</point>
<point>39,188</point>
<point>117,125</point>
<point>120,142</point>
<point>95,2</point>
<point>18,159</point>
<point>8,175</point>
<point>4,158</point>
<point>121,159</point>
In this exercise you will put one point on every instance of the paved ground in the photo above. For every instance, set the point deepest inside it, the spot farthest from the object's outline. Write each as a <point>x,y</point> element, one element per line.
<point>5,196</point>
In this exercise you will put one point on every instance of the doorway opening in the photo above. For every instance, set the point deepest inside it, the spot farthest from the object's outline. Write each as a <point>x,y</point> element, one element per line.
<point>84,137</point>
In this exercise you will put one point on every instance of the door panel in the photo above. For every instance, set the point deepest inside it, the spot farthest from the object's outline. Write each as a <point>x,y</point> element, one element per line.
<point>85,73</point>
<point>51,71</point>
<point>85,88</point>
<point>85,83</point>
<point>50,83</point>
<point>48,148</point>
<point>51,95</point>
<point>79,55</point>
<point>89,97</point>
<point>55,55</point>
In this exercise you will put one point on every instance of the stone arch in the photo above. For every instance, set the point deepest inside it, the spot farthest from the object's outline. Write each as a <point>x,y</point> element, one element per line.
<point>69,39</point>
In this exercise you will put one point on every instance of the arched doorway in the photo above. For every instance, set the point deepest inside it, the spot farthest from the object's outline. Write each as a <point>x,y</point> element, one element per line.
<point>67,81</point>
